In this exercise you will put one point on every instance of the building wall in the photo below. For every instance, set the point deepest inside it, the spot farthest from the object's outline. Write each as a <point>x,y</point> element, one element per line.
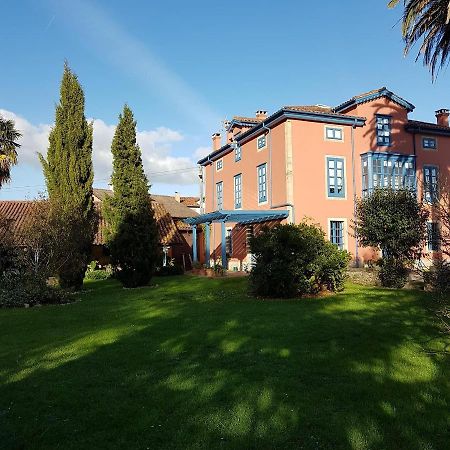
<point>306,143</point>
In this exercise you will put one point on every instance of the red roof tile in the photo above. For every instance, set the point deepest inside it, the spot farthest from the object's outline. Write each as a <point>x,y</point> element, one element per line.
<point>190,202</point>
<point>19,211</point>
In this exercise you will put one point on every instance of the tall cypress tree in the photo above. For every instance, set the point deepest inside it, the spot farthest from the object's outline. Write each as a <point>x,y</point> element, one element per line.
<point>69,175</point>
<point>131,227</point>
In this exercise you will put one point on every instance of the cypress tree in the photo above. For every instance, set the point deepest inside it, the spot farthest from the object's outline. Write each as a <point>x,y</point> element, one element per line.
<point>69,175</point>
<point>131,227</point>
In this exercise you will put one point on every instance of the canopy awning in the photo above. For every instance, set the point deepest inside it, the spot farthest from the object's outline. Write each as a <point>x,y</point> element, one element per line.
<point>236,216</point>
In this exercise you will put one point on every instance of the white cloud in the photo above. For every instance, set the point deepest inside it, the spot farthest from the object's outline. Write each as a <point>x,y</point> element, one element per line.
<point>34,138</point>
<point>156,146</point>
<point>201,152</point>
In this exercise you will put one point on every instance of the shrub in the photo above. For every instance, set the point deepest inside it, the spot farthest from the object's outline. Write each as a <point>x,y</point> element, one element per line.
<point>22,288</point>
<point>437,278</point>
<point>95,272</point>
<point>394,222</point>
<point>393,272</point>
<point>169,270</point>
<point>292,260</point>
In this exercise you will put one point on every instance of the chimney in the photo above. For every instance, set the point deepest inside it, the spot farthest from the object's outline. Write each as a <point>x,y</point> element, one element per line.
<point>261,114</point>
<point>177,197</point>
<point>442,117</point>
<point>216,141</point>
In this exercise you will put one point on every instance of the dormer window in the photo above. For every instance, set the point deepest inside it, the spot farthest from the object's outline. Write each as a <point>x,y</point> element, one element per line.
<point>383,124</point>
<point>261,142</point>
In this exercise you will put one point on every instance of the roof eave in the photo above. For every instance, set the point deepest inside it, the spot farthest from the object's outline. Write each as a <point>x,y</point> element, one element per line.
<point>279,116</point>
<point>367,98</point>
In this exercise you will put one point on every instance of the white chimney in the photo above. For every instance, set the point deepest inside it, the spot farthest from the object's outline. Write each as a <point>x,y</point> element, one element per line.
<point>177,197</point>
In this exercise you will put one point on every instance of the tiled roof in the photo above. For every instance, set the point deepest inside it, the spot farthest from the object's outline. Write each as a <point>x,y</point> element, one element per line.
<point>310,108</point>
<point>373,91</point>
<point>168,233</point>
<point>190,202</point>
<point>426,125</point>
<point>19,211</point>
<point>176,209</point>
<point>247,119</point>
<point>181,225</point>
<point>372,95</point>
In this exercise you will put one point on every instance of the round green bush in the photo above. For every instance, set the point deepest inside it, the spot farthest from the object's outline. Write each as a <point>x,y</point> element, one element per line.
<point>294,260</point>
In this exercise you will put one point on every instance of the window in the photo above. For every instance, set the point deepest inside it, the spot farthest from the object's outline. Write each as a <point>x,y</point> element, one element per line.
<point>429,143</point>
<point>383,170</point>
<point>219,164</point>
<point>262,183</point>
<point>433,236</point>
<point>261,142</point>
<point>337,233</point>
<point>229,242</point>
<point>335,177</point>
<point>383,130</point>
<point>238,191</point>
<point>219,195</point>
<point>430,183</point>
<point>334,134</point>
<point>237,153</point>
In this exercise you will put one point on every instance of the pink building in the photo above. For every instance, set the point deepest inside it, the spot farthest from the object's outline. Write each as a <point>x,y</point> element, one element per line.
<point>314,162</point>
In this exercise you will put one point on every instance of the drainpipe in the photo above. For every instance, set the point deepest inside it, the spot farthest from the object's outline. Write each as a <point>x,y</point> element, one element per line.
<point>269,144</point>
<point>354,191</point>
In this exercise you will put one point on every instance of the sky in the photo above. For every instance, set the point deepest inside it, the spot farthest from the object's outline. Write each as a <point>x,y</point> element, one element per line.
<point>185,67</point>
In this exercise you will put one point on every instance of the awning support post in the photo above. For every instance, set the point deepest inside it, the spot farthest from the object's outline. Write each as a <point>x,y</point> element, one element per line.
<point>194,243</point>
<point>207,251</point>
<point>224,247</point>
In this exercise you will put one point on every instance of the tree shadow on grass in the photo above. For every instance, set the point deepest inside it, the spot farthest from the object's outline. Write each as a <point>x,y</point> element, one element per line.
<point>200,368</point>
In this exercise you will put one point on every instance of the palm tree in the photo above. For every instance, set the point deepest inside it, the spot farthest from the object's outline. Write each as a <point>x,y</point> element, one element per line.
<point>8,148</point>
<point>428,22</point>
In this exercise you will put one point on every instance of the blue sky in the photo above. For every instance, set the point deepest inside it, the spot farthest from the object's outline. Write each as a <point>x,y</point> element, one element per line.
<point>185,66</point>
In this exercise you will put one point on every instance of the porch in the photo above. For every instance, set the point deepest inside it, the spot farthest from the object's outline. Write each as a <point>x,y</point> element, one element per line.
<point>239,217</point>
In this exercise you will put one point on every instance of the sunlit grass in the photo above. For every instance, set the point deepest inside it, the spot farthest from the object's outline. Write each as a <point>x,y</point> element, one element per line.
<point>198,363</point>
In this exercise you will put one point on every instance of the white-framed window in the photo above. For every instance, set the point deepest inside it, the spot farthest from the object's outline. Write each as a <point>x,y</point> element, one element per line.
<point>337,229</point>
<point>335,167</point>
<point>384,128</point>
<point>219,194</point>
<point>261,142</point>
<point>334,133</point>
<point>262,183</point>
<point>433,237</point>
<point>219,164</point>
<point>429,143</point>
<point>238,191</point>
<point>237,153</point>
<point>229,241</point>
<point>430,183</point>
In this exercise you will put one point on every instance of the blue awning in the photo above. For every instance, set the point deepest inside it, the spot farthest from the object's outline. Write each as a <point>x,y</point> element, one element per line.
<point>241,217</point>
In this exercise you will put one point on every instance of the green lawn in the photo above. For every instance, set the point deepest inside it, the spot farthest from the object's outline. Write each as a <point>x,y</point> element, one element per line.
<point>197,363</point>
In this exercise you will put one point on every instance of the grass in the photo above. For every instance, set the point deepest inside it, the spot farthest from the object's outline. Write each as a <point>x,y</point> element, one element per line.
<point>196,363</point>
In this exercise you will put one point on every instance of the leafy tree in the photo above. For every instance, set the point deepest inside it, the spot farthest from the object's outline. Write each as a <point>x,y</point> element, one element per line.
<point>395,223</point>
<point>69,174</point>
<point>8,148</point>
<point>427,22</point>
<point>292,260</point>
<point>131,228</point>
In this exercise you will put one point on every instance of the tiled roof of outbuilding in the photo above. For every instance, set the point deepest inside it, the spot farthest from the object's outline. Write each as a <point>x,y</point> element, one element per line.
<point>19,211</point>
<point>190,202</point>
